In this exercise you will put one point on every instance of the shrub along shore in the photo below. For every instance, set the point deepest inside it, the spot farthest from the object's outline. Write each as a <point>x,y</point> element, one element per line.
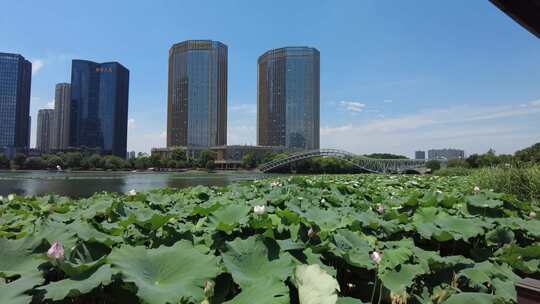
<point>317,239</point>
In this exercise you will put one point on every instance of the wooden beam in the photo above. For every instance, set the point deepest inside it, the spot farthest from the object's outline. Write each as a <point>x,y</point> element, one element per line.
<point>528,291</point>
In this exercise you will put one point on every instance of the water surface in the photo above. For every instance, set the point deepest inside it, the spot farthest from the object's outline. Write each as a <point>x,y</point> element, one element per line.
<point>84,184</point>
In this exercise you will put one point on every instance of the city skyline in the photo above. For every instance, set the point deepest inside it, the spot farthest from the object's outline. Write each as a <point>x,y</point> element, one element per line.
<point>397,84</point>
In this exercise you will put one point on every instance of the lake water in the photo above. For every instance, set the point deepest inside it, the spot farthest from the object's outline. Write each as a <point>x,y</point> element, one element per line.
<point>84,184</point>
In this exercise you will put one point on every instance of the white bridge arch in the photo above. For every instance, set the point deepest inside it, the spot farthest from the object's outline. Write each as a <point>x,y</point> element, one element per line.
<point>359,161</point>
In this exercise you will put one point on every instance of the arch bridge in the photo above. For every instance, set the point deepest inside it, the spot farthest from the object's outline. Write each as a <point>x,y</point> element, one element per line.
<point>359,161</point>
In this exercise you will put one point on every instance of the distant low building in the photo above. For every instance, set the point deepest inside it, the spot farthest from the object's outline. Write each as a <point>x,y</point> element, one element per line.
<point>445,154</point>
<point>131,155</point>
<point>420,155</point>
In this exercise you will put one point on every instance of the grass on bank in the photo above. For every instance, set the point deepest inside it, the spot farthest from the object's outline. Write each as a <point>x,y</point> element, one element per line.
<point>524,183</point>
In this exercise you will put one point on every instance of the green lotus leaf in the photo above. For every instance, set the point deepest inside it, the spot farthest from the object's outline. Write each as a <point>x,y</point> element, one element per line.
<point>79,284</point>
<point>16,292</point>
<point>271,291</point>
<point>16,259</point>
<point>526,259</point>
<point>481,201</point>
<point>391,258</point>
<point>354,248</point>
<point>398,281</point>
<point>471,297</point>
<point>248,263</point>
<point>315,286</point>
<point>229,217</point>
<point>165,274</point>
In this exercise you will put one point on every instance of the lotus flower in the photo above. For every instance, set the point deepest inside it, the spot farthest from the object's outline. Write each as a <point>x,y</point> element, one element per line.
<point>476,189</point>
<point>311,232</point>
<point>274,184</point>
<point>376,257</point>
<point>438,192</point>
<point>56,252</point>
<point>11,197</point>
<point>209,288</point>
<point>532,214</point>
<point>380,208</point>
<point>259,209</point>
<point>1,198</point>
<point>132,192</point>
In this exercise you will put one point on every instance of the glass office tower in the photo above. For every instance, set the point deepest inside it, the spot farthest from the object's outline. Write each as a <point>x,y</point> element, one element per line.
<point>197,95</point>
<point>288,98</point>
<point>62,102</point>
<point>45,130</point>
<point>15,83</point>
<point>99,107</point>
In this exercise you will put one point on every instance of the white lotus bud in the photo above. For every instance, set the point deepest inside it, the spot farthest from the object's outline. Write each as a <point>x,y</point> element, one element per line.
<point>132,192</point>
<point>311,232</point>
<point>532,214</point>
<point>438,192</point>
<point>259,209</point>
<point>476,189</point>
<point>376,257</point>
<point>1,198</point>
<point>380,208</point>
<point>11,197</point>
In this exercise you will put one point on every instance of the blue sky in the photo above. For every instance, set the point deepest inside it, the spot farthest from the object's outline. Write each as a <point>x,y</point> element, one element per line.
<point>395,75</point>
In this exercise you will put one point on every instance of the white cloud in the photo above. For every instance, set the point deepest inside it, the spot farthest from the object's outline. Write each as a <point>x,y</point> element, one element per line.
<point>535,103</point>
<point>353,106</point>
<point>244,108</point>
<point>37,65</point>
<point>475,129</point>
<point>388,101</point>
<point>131,123</point>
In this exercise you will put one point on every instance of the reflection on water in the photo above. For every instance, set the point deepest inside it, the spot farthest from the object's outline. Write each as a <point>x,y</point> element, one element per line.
<point>84,184</point>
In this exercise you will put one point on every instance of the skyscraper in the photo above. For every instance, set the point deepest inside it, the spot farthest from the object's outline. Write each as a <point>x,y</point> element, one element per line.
<point>99,106</point>
<point>45,130</point>
<point>288,98</point>
<point>15,83</point>
<point>197,96</point>
<point>62,102</point>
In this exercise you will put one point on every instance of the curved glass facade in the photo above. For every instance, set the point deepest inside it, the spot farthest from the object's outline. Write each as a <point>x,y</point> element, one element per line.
<point>197,96</point>
<point>99,106</point>
<point>288,98</point>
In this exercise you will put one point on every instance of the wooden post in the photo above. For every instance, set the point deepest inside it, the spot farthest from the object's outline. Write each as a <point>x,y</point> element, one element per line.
<point>528,291</point>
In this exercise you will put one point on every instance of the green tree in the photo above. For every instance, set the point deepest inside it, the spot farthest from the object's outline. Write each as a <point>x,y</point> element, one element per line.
<point>249,161</point>
<point>179,154</point>
<point>35,163</point>
<point>72,159</point>
<point>54,160</point>
<point>93,161</point>
<point>19,160</point>
<point>458,163</point>
<point>433,165</point>
<point>205,156</point>
<point>210,164</point>
<point>4,162</point>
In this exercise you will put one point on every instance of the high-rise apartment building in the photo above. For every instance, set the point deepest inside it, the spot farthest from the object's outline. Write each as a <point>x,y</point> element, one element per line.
<point>15,83</point>
<point>197,94</point>
<point>45,130</point>
<point>99,107</point>
<point>62,102</point>
<point>420,155</point>
<point>288,98</point>
<point>445,154</point>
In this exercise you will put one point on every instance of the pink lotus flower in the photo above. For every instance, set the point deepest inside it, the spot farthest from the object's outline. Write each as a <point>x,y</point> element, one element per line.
<point>380,208</point>
<point>56,252</point>
<point>376,257</point>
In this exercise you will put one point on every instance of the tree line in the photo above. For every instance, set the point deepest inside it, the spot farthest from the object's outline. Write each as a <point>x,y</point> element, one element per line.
<point>87,161</point>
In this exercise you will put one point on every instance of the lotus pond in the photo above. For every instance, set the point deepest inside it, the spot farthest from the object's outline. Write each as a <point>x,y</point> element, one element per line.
<point>307,240</point>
